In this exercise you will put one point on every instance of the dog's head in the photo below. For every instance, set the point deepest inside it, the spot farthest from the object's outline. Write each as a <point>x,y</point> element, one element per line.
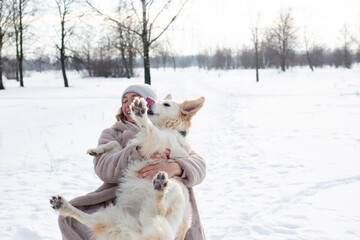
<point>170,114</point>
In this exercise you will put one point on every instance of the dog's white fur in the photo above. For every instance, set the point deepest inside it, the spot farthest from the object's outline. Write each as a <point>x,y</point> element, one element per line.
<point>158,209</point>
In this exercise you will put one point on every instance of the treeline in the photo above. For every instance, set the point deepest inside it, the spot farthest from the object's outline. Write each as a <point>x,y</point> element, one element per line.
<point>225,58</point>
<point>222,58</point>
<point>127,42</point>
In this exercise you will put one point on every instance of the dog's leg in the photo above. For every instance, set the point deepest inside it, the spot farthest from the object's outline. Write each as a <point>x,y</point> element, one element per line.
<point>182,233</point>
<point>151,135</point>
<point>110,146</point>
<point>160,181</point>
<point>184,227</point>
<point>66,209</point>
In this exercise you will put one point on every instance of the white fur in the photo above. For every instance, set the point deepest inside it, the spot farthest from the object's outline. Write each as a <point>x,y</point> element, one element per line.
<point>141,211</point>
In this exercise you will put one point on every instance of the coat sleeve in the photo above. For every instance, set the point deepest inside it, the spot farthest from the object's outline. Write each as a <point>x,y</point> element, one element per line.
<point>110,165</point>
<point>194,169</point>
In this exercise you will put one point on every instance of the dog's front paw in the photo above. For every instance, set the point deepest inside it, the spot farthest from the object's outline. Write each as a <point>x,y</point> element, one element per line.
<point>160,181</point>
<point>95,151</point>
<point>57,202</point>
<point>138,107</point>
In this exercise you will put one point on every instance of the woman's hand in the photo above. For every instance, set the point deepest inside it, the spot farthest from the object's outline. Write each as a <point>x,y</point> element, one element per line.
<point>164,155</point>
<point>157,155</point>
<point>172,169</point>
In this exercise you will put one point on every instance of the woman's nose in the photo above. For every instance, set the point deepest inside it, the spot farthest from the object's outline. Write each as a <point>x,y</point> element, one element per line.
<point>127,104</point>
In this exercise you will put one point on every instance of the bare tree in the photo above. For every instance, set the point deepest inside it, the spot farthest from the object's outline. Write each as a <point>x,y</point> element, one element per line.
<point>16,24</point>
<point>86,50</point>
<point>23,10</point>
<point>219,59</point>
<point>41,60</point>
<point>347,40</point>
<point>203,60</point>
<point>126,42</point>
<point>255,40</point>
<point>308,50</point>
<point>5,24</point>
<point>282,37</point>
<point>65,9</point>
<point>163,52</point>
<point>148,14</point>
<point>247,58</point>
<point>317,55</point>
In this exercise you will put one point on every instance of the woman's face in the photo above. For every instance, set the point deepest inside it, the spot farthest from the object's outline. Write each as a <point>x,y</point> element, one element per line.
<point>127,100</point>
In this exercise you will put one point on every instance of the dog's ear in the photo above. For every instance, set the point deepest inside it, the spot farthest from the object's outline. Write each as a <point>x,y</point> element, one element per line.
<point>168,97</point>
<point>190,107</point>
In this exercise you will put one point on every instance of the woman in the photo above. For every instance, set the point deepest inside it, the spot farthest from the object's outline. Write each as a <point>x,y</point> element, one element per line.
<point>109,168</point>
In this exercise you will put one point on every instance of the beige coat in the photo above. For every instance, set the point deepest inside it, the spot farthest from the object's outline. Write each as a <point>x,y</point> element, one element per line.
<point>109,167</point>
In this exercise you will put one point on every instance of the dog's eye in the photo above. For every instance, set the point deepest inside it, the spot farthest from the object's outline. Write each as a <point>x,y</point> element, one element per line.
<point>166,104</point>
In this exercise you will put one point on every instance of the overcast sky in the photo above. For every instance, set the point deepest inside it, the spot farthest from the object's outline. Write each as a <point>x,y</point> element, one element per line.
<point>207,24</point>
<point>228,22</point>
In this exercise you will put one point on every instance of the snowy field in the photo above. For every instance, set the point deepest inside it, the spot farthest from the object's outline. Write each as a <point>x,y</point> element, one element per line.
<point>283,155</point>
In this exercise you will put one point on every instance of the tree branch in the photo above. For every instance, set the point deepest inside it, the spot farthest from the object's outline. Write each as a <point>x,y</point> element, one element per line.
<point>172,20</point>
<point>112,19</point>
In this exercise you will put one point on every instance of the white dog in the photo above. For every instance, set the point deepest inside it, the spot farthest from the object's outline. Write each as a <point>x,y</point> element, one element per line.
<point>158,209</point>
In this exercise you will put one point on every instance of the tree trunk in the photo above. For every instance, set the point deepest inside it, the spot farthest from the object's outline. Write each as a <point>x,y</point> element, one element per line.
<point>88,64</point>
<point>17,54</point>
<point>146,46</point>
<point>256,59</point>
<point>63,68</point>
<point>146,57</point>
<point>147,67</point>
<point>309,61</point>
<point>62,54</point>
<point>347,61</point>
<point>122,51</point>
<point>21,55</point>
<point>131,60</point>
<point>283,63</point>
<point>1,68</point>
<point>174,62</point>
<point>1,81</point>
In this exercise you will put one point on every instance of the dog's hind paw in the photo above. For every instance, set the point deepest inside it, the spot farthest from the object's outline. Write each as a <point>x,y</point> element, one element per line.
<point>56,202</point>
<point>160,181</point>
<point>138,107</point>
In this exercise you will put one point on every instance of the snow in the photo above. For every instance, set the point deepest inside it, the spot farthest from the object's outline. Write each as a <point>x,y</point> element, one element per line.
<point>282,154</point>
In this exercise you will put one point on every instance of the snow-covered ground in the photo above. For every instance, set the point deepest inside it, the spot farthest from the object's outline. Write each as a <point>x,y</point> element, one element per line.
<point>283,155</point>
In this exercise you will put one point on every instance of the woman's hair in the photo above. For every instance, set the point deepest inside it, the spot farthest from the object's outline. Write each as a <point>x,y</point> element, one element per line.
<point>120,115</point>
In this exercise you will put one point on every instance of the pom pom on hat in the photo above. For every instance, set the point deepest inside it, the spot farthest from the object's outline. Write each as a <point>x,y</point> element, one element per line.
<point>144,90</point>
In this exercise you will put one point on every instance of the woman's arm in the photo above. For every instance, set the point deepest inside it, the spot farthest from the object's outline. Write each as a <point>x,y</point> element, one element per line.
<point>194,169</point>
<point>110,165</point>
